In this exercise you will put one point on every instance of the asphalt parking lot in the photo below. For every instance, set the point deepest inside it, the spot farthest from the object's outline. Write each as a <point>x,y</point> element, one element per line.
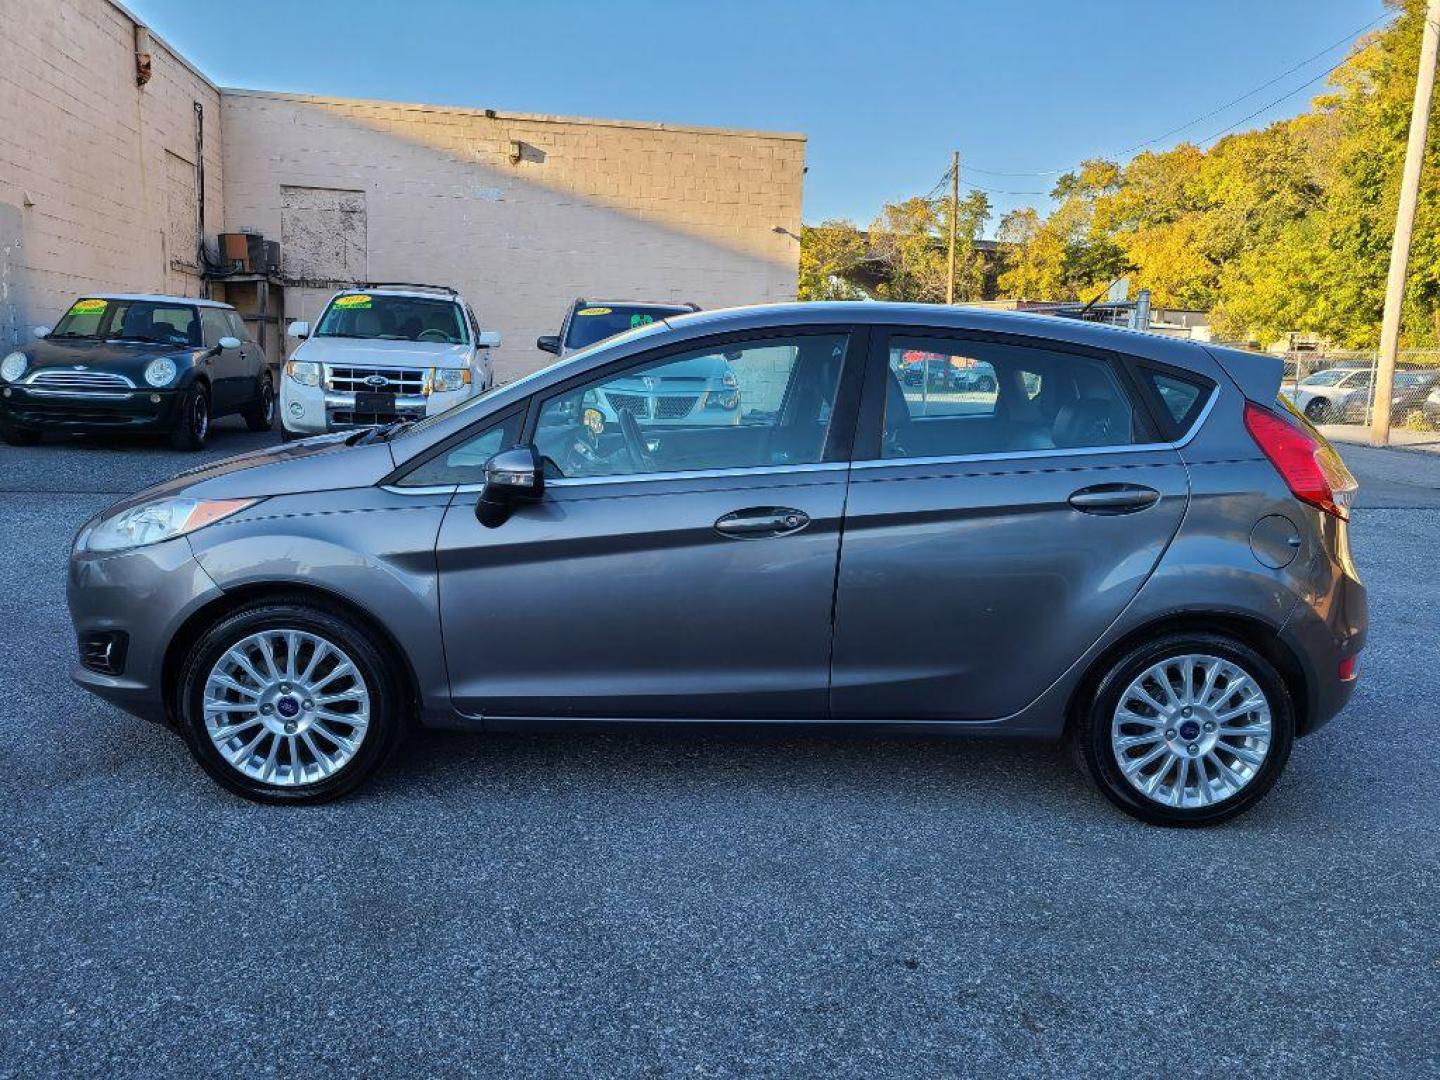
<point>706,905</point>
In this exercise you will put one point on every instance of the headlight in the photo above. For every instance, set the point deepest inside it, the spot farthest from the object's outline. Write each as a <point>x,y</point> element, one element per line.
<point>304,372</point>
<point>160,372</point>
<point>151,522</point>
<point>443,380</point>
<point>13,366</point>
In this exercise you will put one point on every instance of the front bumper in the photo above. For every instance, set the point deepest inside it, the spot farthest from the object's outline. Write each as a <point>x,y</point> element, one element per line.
<point>310,410</point>
<point>129,410</point>
<point>143,597</point>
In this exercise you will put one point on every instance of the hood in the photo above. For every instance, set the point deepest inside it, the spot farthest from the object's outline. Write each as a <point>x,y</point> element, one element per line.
<point>323,463</point>
<point>119,357</point>
<point>374,352</point>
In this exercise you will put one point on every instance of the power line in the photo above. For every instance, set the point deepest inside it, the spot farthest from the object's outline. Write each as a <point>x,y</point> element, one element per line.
<point>1212,113</point>
<point>1264,86</point>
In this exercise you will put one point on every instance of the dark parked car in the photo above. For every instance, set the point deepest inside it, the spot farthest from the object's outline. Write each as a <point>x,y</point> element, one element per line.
<point>1408,396</point>
<point>591,321</point>
<point>1132,545</point>
<point>136,363</point>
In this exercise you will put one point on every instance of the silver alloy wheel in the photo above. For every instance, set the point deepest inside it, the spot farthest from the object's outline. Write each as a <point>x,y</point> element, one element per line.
<point>1191,730</point>
<point>267,395</point>
<point>200,416</point>
<point>286,707</point>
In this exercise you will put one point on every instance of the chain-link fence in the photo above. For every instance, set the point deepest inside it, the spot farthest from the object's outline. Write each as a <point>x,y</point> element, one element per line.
<point>1338,387</point>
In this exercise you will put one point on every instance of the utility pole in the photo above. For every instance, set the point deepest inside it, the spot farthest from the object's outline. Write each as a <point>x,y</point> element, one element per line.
<point>954,213</point>
<point>1404,224</point>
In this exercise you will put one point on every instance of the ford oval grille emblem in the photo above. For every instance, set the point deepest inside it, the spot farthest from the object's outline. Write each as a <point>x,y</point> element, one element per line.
<point>376,380</point>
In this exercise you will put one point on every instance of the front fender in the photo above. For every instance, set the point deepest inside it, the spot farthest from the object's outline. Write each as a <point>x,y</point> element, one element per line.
<point>371,548</point>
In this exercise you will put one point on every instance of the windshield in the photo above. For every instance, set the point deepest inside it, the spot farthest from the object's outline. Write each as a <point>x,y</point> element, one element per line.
<point>593,324</point>
<point>1325,378</point>
<point>480,400</point>
<point>381,317</point>
<point>163,322</point>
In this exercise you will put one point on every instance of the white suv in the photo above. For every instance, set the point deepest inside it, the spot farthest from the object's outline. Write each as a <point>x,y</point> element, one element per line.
<point>383,353</point>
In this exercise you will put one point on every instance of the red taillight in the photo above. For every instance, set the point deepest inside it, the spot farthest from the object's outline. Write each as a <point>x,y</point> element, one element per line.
<point>1349,668</point>
<point>1304,460</point>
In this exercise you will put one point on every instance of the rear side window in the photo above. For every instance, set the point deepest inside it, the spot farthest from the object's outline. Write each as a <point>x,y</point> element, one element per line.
<point>952,397</point>
<point>1181,398</point>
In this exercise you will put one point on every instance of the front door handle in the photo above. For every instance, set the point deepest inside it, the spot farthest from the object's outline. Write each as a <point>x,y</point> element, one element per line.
<point>1114,498</point>
<point>758,521</point>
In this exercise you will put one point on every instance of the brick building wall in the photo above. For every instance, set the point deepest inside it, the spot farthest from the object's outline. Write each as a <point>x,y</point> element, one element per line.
<point>97,174</point>
<point>522,213</point>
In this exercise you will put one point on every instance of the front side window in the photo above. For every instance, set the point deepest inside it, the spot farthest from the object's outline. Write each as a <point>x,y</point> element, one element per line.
<point>947,397</point>
<point>157,321</point>
<point>465,463</point>
<point>732,406</point>
<point>237,325</point>
<point>214,324</point>
<point>377,316</point>
<point>598,322</point>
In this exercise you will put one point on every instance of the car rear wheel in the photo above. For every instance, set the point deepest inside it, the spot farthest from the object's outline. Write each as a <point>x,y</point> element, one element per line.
<point>288,703</point>
<point>194,425</point>
<point>1189,729</point>
<point>261,415</point>
<point>1318,411</point>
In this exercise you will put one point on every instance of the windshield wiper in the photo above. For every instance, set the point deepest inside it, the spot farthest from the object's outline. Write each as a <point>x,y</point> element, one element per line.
<point>380,433</point>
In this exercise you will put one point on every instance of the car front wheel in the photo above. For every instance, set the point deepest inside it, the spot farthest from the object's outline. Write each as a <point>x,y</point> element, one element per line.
<point>289,703</point>
<point>1189,729</point>
<point>193,427</point>
<point>1318,411</point>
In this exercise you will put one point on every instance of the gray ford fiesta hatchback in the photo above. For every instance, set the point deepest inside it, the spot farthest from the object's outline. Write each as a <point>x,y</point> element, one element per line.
<point>1069,531</point>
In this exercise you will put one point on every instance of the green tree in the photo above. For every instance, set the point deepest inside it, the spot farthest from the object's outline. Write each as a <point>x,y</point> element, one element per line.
<point>831,253</point>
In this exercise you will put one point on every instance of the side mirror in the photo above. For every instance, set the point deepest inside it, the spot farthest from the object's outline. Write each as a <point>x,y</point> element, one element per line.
<point>488,339</point>
<point>511,476</point>
<point>549,343</point>
<point>229,343</point>
<point>41,332</point>
<point>299,329</point>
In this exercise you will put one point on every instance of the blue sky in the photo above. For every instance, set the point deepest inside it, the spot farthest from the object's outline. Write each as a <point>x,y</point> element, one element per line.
<point>883,90</point>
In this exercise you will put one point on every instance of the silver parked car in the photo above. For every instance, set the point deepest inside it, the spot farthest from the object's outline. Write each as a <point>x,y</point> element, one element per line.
<point>1126,542</point>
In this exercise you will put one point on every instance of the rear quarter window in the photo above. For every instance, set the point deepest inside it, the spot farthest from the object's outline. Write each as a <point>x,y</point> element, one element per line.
<point>1179,397</point>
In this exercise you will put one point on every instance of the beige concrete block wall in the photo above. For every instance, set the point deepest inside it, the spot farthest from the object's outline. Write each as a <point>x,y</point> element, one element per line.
<point>92,167</point>
<point>591,208</point>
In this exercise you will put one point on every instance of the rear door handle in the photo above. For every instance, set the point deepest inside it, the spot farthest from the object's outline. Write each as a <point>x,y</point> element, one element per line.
<point>758,521</point>
<point>1114,498</point>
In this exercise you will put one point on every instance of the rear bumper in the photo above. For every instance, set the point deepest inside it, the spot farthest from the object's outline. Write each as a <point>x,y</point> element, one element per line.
<point>132,410</point>
<point>1323,636</point>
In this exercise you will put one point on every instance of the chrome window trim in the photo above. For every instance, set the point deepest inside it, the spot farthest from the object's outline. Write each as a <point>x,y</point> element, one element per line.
<point>693,474</point>
<point>1065,451</point>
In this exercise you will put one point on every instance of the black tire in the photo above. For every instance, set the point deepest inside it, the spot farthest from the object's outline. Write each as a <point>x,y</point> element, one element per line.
<point>193,427</point>
<point>1317,410</point>
<point>260,416</point>
<point>286,435</point>
<point>986,384</point>
<point>17,436</point>
<point>373,661</point>
<point>1090,732</point>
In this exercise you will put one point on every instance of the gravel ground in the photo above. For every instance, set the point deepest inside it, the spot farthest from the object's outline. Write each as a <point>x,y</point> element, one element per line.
<point>702,905</point>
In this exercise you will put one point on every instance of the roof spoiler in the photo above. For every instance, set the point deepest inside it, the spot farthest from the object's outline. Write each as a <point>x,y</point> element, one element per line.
<point>1258,375</point>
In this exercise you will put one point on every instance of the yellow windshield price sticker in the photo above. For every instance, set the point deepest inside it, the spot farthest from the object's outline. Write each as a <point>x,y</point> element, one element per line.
<point>88,307</point>
<point>357,301</point>
<point>593,311</point>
